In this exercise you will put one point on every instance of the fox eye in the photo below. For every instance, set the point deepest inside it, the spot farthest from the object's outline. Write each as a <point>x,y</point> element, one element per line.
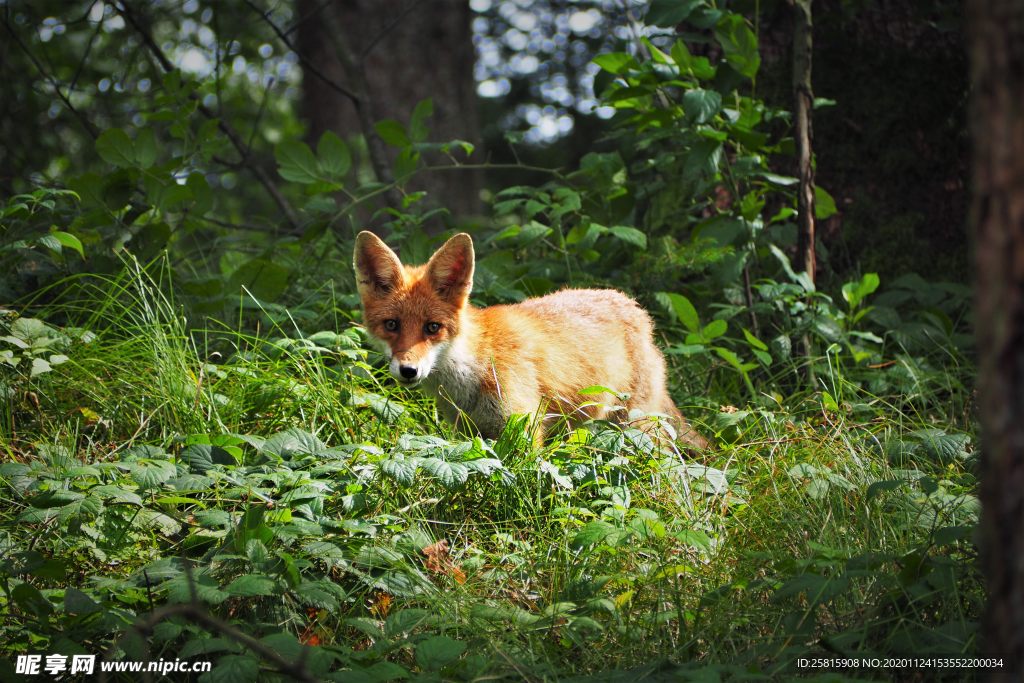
<point>433,328</point>
<point>391,325</point>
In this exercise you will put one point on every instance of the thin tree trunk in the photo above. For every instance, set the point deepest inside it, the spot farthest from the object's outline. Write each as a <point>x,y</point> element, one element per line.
<point>996,48</point>
<point>804,96</point>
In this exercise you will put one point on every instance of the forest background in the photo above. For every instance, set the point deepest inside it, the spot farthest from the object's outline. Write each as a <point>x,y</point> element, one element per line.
<point>204,460</point>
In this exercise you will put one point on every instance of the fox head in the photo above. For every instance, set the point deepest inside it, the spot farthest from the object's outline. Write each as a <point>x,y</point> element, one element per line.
<point>413,313</point>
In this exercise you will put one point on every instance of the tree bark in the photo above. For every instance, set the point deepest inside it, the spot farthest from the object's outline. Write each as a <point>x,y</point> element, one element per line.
<point>996,49</point>
<point>404,58</point>
<point>804,100</point>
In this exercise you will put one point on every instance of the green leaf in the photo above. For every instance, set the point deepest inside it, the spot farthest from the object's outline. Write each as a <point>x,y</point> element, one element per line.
<point>201,193</point>
<point>393,133</point>
<point>39,366</point>
<point>715,328</point>
<point>172,81</point>
<point>150,474</point>
<point>785,181</point>
<point>201,457</point>
<point>867,285</point>
<point>296,162</point>
<point>803,279</point>
<point>291,442</point>
<point>728,356</point>
<point>829,402</point>
<point>617,62</point>
<point>685,311</point>
<point>592,533</point>
<point>670,13</point>
<point>385,408</point>
<point>68,240</point>
<point>452,475</point>
<point>50,242</point>
<point>145,148</point>
<point>334,156</point>
<point>754,341</point>
<point>251,586</point>
<point>739,44</point>
<point>405,164</point>
<point>700,106</point>
<point>89,187</point>
<point>115,147</point>
<point>438,651</point>
<point>77,602</point>
<point>400,471</point>
<point>827,328</point>
<point>406,621</point>
<point>945,447</point>
<point>265,279</point>
<point>418,131</point>
<point>55,498</point>
<point>630,236</point>
<point>703,157</point>
<point>233,669</point>
<point>824,205</point>
<point>883,486</point>
<point>595,390</point>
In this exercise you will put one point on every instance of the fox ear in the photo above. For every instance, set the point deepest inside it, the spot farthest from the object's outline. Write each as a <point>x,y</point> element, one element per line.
<point>378,270</point>
<point>451,269</point>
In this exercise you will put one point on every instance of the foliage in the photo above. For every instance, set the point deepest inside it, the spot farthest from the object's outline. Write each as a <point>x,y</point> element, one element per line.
<point>203,459</point>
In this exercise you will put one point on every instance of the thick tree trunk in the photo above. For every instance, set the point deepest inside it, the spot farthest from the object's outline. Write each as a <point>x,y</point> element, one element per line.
<point>804,101</point>
<point>406,57</point>
<point>996,44</point>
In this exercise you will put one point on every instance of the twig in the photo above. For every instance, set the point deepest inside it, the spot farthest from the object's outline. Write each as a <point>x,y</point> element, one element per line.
<point>56,84</point>
<point>750,298</point>
<point>259,114</point>
<point>309,16</point>
<point>88,49</point>
<point>296,670</point>
<point>386,30</point>
<point>364,105</point>
<point>237,226</point>
<point>128,13</point>
<point>307,65</point>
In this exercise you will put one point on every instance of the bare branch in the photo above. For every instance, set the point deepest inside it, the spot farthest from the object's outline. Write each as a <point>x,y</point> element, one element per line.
<point>305,62</point>
<point>296,670</point>
<point>312,14</point>
<point>53,81</point>
<point>386,30</point>
<point>248,160</point>
<point>364,105</point>
<point>85,56</point>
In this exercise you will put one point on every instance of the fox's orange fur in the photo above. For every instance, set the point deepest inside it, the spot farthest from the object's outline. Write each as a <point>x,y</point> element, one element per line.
<point>487,364</point>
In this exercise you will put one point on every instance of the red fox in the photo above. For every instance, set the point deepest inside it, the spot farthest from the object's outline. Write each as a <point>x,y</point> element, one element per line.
<point>484,365</point>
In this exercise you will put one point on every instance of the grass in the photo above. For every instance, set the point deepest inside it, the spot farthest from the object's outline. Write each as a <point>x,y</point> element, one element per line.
<point>287,491</point>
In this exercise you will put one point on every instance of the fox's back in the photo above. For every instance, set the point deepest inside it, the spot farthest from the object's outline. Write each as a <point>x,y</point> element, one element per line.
<point>572,339</point>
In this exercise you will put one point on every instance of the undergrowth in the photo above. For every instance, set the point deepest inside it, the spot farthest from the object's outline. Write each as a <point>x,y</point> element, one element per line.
<point>269,501</point>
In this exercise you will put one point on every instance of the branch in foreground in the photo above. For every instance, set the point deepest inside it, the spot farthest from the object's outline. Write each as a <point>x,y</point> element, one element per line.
<point>296,670</point>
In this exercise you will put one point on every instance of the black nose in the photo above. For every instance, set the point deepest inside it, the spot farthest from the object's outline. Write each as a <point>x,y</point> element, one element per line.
<point>408,371</point>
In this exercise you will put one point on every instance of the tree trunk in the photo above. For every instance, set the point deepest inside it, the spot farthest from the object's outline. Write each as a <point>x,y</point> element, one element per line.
<point>407,56</point>
<point>804,96</point>
<point>996,44</point>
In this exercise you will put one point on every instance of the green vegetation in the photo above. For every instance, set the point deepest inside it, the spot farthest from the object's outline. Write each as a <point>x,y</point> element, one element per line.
<point>202,459</point>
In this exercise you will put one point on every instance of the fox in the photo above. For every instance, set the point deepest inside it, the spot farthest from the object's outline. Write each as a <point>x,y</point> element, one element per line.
<point>483,365</point>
